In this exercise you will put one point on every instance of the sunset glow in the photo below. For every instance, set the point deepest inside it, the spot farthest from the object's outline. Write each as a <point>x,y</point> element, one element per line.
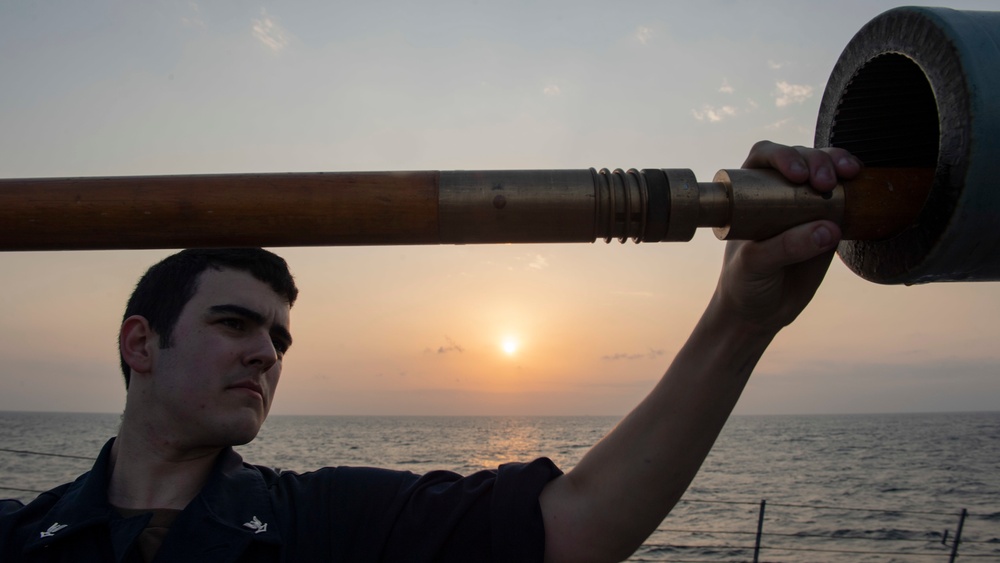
<point>457,329</point>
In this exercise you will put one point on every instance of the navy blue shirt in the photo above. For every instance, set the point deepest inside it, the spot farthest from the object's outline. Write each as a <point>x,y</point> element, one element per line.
<point>248,513</point>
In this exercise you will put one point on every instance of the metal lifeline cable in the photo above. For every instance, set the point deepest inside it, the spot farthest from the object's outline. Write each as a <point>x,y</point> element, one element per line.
<point>702,546</point>
<point>646,560</point>
<point>638,560</point>
<point>965,541</point>
<point>854,551</point>
<point>21,490</point>
<point>630,560</point>
<point>817,507</point>
<point>750,503</point>
<point>823,507</point>
<point>831,537</point>
<point>696,531</point>
<point>46,454</point>
<point>28,452</point>
<point>781,535</point>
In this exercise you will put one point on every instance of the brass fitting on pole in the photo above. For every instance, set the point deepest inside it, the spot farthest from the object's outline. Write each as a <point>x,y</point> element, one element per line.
<point>878,204</point>
<point>655,205</point>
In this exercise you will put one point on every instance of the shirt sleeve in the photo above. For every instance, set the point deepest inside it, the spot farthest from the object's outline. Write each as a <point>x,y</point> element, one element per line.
<point>370,514</point>
<point>487,516</point>
<point>10,505</point>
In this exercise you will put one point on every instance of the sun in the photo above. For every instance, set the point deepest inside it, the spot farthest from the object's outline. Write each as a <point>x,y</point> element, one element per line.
<point>509,345</point>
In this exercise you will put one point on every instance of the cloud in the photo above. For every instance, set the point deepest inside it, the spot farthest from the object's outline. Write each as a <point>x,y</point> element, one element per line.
<point>268,32</point>
<point>530,261</point>
<point>775,65</point>
<point>642,34</point>
<point>538,263</point>
<point>652,354</point>
<point>787,94</point>
<point>640,294</point>
<point>551,90</point>
<point>451,347</point>
<point>726,88</point>
<point>713,114</point>
<point>194,19</point>
<point>778,124</point>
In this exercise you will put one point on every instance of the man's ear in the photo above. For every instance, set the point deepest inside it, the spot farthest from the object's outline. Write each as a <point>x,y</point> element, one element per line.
<point>137,343</point>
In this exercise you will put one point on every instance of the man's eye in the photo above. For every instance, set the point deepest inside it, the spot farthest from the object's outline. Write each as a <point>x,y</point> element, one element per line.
<point>236,324</point>
<point>279,347</point>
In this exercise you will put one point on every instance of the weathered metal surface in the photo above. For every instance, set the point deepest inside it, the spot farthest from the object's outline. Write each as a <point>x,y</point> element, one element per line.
<point>918,87</point>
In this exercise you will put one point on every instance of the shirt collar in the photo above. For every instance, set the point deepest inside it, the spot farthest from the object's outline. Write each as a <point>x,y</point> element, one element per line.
<point>232,509</point>
<point>83,503</point>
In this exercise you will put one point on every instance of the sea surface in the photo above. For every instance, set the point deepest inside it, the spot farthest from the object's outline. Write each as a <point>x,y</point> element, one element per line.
<point>835,488</point>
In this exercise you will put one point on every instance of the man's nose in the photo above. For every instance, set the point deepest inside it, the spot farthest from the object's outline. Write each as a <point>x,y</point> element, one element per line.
<point>261,352</point>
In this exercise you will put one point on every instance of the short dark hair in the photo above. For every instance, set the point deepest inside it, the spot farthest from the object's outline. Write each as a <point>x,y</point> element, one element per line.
<point>167,286</point>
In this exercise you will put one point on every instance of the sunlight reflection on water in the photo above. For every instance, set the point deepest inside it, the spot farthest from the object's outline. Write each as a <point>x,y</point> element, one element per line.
<point>809,468</point>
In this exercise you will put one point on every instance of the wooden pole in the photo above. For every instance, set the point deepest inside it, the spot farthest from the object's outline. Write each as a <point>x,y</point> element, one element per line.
<point>458,207</point>
<point>219,210</point>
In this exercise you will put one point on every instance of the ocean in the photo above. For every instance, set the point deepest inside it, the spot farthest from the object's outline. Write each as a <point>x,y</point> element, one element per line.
<point>837,488</point>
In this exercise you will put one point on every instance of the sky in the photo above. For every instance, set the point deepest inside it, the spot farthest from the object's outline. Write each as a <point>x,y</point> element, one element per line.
<point>109,88</point>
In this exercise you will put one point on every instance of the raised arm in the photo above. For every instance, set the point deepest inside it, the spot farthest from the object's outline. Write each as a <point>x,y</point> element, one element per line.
<point>621,490</point>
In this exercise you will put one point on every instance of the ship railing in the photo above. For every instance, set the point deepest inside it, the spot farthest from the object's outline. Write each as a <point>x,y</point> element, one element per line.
<point>779,532</point>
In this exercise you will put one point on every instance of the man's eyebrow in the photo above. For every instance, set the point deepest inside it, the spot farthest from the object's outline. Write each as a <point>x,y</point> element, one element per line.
<point>254,317</point>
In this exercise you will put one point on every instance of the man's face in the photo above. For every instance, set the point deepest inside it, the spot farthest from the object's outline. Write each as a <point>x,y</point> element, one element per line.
<point>214,385</point>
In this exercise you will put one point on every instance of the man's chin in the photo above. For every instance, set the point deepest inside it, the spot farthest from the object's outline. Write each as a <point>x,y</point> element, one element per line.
<point>241,432</point>
<point>242,442</point>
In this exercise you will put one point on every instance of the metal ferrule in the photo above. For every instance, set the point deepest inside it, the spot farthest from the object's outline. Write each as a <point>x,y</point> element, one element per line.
<point>517,206</point>
<point>762,204</point>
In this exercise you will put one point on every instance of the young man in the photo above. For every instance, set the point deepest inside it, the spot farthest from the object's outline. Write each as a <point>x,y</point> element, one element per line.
<point>202,343</point>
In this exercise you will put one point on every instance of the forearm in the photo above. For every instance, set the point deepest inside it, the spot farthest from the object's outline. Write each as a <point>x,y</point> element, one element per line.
<point>622,489</point>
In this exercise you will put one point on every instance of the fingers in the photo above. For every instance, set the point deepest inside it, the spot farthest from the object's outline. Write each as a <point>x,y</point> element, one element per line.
<point>766,284</point>
<point>819,167</point>
<point>796,245</point>
<point>826,165</point>
<point>785,159</point>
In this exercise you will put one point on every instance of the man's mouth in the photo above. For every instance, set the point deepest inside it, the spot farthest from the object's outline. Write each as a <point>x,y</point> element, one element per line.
<point>249,385</point>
